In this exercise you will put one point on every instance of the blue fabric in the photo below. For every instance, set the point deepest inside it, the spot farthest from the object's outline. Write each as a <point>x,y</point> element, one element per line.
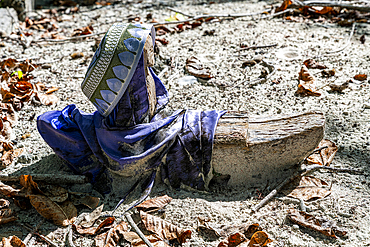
<point>129,143</point>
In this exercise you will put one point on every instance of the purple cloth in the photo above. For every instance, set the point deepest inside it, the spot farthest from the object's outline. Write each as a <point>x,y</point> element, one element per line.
<point>128,144</point>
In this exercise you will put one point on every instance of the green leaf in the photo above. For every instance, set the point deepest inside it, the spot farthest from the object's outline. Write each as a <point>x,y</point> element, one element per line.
<point>20,74</point>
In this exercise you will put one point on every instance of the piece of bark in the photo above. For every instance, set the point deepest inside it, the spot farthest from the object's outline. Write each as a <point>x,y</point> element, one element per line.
<point>262,150</point>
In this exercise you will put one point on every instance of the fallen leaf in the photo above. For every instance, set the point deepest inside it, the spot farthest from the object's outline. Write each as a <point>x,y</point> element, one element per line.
<point>164,229</point>
<point>51,90</point>
<point>155,203</point>
<point>94,229</point>
<point>196,68</point>
<point>6,216</point>
<point>12,241</point>
<point>283,6</point>
<point>136,241</point>
<point>4,203</point>
<point>89,201</point>
<point>309,188</point>
<point>49,209</point>
<point>340,87</point>
<point>70,210</point>
<point>306,86</point>
<point>312,64</point>
<point>328,73</point>
<point>176,17</point>
<point>324,156</point>
<point>163,41</point>
<point>7,190</point>
<point>83,31</point>
<point>90,219</point>
<point>307,220</point>
<point>9,156</point>
<point>55,193</point>
<point>27,182</point>
<point>113,236</point>
<point>362,39</point>
<point>76,55</point>
<point>47,99</point>
<point>360,77</point>
<point>259,238</point>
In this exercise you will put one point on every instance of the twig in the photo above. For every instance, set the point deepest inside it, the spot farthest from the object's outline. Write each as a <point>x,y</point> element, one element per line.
<point>194,18</point>
<point>50,178</point>
<point>180,12</point>
<point>301,172</point>
<point>137,230</point>
<point>272,71</point>
<point>340,4</point>
<point>348,41</point>
<point>257,47</point>
<point>71,38</point>
<point>29,235</point>
<point>69,232</point>
<point>46,239</point>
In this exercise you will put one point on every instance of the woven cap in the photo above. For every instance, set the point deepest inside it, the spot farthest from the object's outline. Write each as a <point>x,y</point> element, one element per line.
<point>114,64</point>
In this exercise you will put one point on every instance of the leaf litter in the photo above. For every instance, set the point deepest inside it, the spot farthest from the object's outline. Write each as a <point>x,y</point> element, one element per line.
<point>305,11</point>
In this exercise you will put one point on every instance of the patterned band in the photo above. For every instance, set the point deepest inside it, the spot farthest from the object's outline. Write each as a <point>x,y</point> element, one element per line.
<point>114,64</point>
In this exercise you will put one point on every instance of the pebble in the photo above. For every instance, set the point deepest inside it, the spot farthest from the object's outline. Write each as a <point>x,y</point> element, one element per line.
<point>366,105</point>
<point>295,227</point>
<point>187,80</point>
<point>46,66</point>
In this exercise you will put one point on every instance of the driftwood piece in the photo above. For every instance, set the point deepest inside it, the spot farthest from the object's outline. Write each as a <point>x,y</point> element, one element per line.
<point>50,178</point>
<point>262,151</point>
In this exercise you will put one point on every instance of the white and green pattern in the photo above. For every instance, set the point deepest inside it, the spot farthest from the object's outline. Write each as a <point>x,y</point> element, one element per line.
<point>114,64</point>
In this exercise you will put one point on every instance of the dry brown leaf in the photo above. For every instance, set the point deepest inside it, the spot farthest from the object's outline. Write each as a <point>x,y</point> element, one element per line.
<point>76,55</point>
<point>154,203</point>
<point>164,229</point>
<point>259,238</point>
<point>49,209</point>
<point>360,77</point>
<point>7,190</point>
<point>47,99</point>
<point>307,220</point>
<point>312,64</point>
<point>4,203</point>
<point>9,156</point>
<point>55,193</point>
<point>90,219</point>
<point>306,84</point>
<point>83,31</point>
<point>8,113</point>
<point>89,201</point>
<point>328,73</point>
<point>51,90</point>
<point>339,87</point>
<point>309,188</point>
<point>6,216</point>
<point>12,241</point>
<point>136,241</point>
<point>196,68</point>
<point>27,182</point>
<point>113,236</point>
<point>95,229</point>
<point>283,6</point>
<point>70,210</point>
<point>324,156</point>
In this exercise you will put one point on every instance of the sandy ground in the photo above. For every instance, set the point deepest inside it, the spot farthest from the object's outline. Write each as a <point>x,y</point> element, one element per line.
<point>347,113</point>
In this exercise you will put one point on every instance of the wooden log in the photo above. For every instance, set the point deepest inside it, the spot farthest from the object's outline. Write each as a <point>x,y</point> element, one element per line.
<point>262,151</point>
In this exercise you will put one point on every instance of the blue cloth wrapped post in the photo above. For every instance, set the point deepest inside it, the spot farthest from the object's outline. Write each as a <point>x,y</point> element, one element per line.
<point>127,135</point>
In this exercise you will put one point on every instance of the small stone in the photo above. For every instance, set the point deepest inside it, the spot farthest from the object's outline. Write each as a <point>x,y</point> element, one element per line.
<point>46,66</point>
<point>76,55</point>
<point>295,227</point>
<point>187,80</point>
<point>366,105</point>
<point>2,44</point>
